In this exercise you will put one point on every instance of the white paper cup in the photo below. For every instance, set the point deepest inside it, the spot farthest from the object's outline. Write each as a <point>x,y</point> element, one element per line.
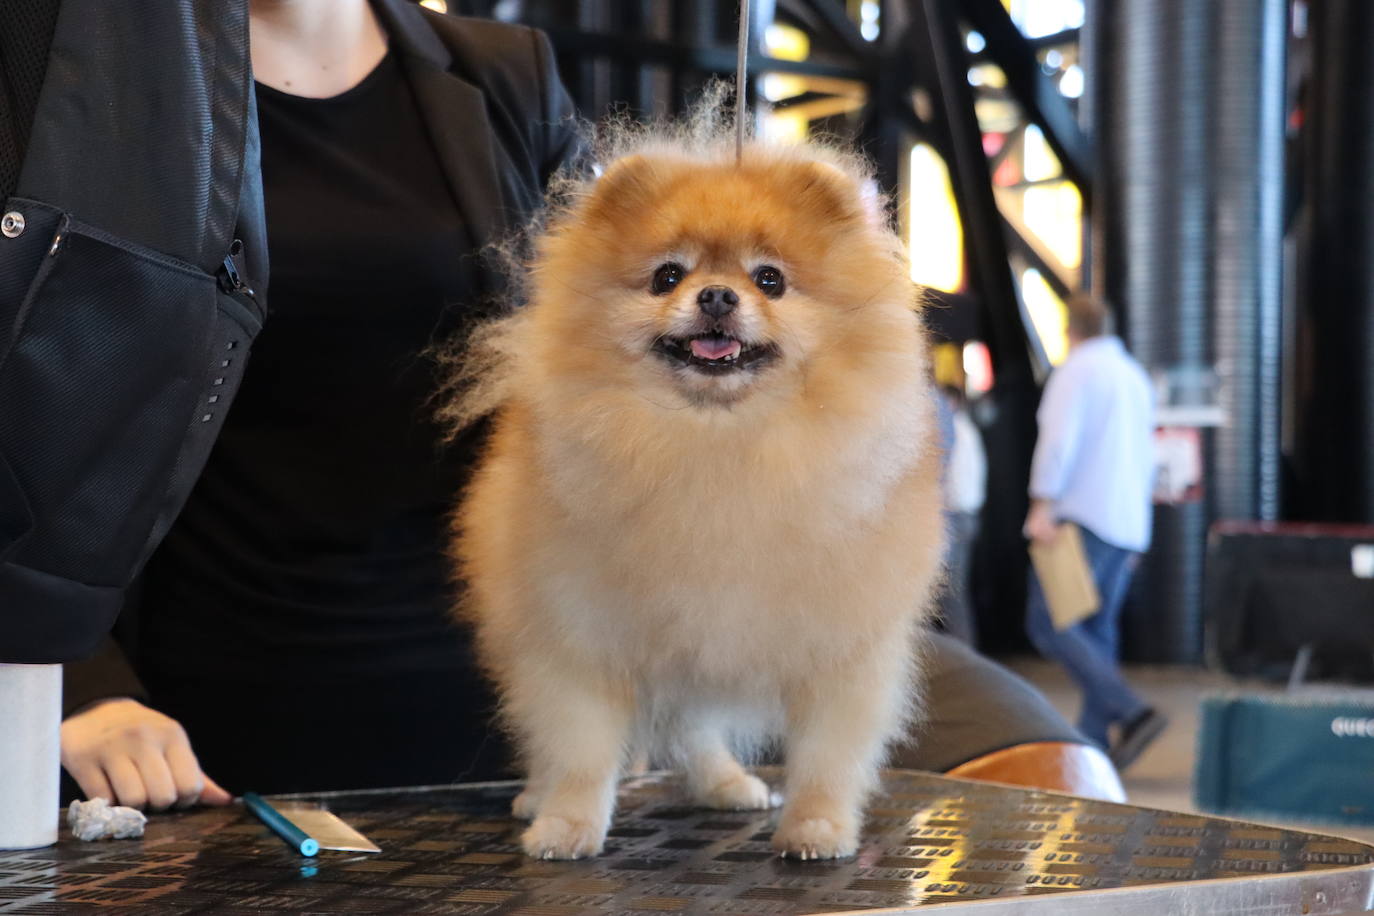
<point>30,723</point>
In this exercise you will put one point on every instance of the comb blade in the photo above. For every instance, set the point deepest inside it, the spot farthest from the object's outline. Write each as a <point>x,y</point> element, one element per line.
<point>326,828</point>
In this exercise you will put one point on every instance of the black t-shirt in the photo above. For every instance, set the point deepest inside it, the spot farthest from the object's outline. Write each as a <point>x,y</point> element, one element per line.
<point>296,619</point>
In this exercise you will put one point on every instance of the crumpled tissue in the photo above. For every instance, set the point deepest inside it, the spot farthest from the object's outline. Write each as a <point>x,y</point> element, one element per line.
<point>97,819</point>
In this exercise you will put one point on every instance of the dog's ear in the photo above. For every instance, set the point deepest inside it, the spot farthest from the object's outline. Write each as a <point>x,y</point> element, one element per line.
<point>874,203</point>
<point>628,185</point>
<point>835,194</point>
<point>633,167</point>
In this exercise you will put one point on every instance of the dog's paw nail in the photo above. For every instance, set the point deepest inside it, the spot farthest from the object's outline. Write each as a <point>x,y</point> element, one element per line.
<point>814,838</point>
<point>551,837</point>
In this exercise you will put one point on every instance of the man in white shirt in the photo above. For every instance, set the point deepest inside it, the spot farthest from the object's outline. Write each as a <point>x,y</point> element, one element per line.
<point>1094,467</point>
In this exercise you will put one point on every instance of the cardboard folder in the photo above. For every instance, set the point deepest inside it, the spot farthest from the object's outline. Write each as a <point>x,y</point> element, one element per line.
<point>1066,578</point>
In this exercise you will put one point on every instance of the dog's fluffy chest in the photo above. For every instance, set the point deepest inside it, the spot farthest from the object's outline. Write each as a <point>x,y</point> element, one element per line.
<point>734,484</point>
<point>713,559</point>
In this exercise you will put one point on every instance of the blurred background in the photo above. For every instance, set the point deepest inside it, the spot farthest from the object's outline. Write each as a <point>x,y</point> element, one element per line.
<point>1203,166</point>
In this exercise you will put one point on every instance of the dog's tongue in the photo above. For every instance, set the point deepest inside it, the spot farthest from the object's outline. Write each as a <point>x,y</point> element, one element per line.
<point>714,347</point>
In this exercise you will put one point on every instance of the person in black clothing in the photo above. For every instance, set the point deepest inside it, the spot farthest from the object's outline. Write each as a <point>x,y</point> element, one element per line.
<point>303,595</point>
<point>292,632</point>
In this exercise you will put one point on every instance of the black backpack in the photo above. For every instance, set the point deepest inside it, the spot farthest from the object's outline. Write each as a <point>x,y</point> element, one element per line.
<point>131,235</point>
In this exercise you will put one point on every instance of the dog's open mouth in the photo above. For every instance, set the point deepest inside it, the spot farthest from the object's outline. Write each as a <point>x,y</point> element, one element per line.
<point>714,352</point>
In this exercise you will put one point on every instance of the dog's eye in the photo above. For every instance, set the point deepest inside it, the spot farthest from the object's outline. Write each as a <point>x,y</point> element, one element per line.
<point>769,279</point>
<point>666,278</point>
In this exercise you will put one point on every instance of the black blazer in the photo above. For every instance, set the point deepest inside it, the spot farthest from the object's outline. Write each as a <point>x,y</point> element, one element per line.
<point>501,124</point>
<point>499,117</point>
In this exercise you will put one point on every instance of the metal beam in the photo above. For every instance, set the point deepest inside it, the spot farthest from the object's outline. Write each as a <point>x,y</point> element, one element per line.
<point>1026,249</point>
<point>832,14</point>
<point>1044,104</point>
<point>934,37</point>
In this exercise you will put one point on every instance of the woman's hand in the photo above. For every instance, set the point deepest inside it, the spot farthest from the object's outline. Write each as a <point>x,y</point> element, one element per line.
<point>121,750</point>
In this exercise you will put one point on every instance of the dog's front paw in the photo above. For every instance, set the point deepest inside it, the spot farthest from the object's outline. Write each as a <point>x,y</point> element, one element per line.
<point>552,837</point>
<point>525,806</point>
<point>815,838</point>
<point>740,792</point>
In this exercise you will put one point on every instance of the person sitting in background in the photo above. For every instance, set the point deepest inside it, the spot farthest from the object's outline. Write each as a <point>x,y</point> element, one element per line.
<point>964,492</point>
<point>1094,467</point>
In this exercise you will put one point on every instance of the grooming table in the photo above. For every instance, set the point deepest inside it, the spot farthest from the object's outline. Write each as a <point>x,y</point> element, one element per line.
<point>930,841</point>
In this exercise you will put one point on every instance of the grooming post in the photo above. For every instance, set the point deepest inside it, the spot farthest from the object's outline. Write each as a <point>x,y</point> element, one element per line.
<point>741,71</point>
<point>30,721</point>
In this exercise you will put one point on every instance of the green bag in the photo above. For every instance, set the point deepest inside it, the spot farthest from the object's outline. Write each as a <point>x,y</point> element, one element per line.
<point>1305,755</point>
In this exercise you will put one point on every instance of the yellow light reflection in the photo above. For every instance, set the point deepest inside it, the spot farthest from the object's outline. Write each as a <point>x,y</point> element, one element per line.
<point>1054,212</point>
<point>1047,314</point>
<point>1038,161</point>
<point>785,126</point>
<point>779,86</point>
<point>439,6</point>
<point>934,235</point>
<point>952,848</point>
<point>989,75</point>
<point>947,363</point>
<point>786,42</point>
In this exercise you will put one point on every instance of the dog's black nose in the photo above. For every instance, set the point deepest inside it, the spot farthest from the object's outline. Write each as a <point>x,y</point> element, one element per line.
<point>717,301</point>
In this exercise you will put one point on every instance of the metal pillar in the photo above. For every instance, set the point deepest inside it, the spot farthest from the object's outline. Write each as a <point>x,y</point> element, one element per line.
<point>1189,120</point>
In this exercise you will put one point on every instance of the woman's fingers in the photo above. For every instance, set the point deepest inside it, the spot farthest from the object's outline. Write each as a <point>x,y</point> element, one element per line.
<point>91,779</point>
<point>189,781</point>
<point>214,794</point>
<point>125,781</point>
<point>160,789</point>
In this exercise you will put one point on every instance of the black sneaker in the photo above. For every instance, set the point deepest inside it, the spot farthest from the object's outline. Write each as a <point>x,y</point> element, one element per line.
<point>1136,735</point>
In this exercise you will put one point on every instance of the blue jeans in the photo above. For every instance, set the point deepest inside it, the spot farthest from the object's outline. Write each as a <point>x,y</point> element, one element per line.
<point>1088,649</point>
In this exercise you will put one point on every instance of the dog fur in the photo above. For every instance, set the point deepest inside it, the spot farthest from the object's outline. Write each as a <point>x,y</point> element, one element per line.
<point>696,563</point>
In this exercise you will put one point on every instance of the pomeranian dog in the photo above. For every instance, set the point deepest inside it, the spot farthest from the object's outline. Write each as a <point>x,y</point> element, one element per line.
<point>708,516</point>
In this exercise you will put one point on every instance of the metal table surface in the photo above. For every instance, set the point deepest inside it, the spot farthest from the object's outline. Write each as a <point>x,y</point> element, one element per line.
<point>930,841</point>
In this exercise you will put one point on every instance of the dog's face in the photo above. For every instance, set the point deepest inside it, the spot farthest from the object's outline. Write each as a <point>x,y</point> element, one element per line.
<point>716,281</point>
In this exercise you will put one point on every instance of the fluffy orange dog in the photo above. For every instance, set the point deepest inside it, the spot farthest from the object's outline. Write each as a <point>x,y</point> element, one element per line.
<point>709,513</point>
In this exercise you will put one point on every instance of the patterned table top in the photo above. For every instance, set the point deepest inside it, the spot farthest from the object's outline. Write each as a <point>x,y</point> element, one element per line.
<point>929,840</point>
